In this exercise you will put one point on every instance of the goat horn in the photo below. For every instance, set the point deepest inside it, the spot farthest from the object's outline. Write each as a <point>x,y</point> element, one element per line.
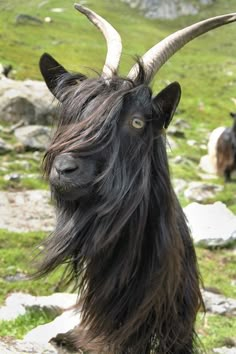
<point>114,45</point>
<point>155,57</point>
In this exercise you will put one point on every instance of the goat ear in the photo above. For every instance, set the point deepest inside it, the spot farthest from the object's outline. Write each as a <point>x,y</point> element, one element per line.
<point>165,104</point>
<point>52,71</point>
<point>233,115</point>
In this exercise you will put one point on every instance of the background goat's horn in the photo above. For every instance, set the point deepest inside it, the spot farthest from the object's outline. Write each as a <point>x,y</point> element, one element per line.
<point>155,57</point>
<point>114,45</point>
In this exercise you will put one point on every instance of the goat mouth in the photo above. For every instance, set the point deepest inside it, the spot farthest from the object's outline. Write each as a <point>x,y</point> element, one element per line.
<point>68,192</point>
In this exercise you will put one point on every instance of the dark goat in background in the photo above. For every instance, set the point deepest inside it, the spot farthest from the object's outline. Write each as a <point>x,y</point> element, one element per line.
<point>120,227</point>
<point>222,150</point>
<point>226,151</point>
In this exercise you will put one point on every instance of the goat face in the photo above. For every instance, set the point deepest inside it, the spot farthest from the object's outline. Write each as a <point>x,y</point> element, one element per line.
<point>101,124</point>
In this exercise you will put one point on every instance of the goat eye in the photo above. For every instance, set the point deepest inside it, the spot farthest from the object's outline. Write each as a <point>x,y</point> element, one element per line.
<point>137,123</point>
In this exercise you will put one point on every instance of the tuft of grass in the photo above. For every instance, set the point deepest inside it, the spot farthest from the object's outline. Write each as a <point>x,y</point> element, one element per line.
<point>24,323</point>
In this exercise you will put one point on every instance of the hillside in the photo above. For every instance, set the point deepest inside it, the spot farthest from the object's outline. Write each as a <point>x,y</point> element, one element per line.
<point>205,68</point>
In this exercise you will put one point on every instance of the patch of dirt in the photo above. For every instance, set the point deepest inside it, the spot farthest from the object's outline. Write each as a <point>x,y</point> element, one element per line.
<point>26,211</point>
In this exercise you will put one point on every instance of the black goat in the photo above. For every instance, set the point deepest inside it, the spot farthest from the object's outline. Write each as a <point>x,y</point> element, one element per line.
<point>226,151</point>
<point>120,227</point>
<point>222,150</point>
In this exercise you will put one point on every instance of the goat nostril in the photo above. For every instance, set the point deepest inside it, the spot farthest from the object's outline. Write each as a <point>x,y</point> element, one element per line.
<point>64,165</point>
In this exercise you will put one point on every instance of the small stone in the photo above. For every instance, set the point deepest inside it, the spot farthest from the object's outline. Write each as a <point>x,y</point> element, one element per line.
<point>201,192</point>
<point>13,177</point>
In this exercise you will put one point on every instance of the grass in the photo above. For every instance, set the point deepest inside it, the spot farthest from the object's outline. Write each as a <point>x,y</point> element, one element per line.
<point>24,323</point>
<point>17,256</point>
<point>206,71</point>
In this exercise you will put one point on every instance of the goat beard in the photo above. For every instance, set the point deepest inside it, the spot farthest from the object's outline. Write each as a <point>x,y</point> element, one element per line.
<point>133,261</point>
<point>139,283</point>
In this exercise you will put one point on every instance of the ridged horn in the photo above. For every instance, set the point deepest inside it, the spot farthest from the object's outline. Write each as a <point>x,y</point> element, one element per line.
<point>113,39</point>
<point>158,55</point>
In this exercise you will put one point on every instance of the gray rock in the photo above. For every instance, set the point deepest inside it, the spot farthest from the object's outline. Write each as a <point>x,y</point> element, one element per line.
<point>23,19</point>
<point>176,132</point>
<point>219,304</point>
<point>201,192</point>
<point>12,346</point>
<point>181,124</point>
<point>34,137</point>
<point>28,100</point>
<point>15,177</point>
<point>211,225</point>
<point>167,8</point>
<point>4,147</point>
<point>26,211</point>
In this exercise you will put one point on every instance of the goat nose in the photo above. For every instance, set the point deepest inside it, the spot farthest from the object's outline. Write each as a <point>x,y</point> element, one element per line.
<point>65,164</point>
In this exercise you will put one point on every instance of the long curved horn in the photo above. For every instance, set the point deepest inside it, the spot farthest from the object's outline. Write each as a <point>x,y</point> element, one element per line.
<point>114,45</point>
<point>155,57</point>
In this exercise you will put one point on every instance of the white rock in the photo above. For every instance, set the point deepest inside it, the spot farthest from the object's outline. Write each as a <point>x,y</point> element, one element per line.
<point>212,224</point>
<point>61,325</point>
<point>9,313</point>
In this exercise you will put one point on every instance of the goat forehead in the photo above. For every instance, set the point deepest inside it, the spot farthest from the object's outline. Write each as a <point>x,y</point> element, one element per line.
<point>138,99</point>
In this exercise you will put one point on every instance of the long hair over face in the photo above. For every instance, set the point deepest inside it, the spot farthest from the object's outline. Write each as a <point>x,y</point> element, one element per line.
<point>125,239</point>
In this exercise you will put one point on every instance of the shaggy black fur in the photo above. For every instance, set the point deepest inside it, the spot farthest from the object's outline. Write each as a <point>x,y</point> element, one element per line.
<point>121,229</point>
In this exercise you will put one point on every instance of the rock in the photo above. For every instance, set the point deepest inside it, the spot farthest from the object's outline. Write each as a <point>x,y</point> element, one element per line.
<point>219,304</point>
<point>17,108</point>
<point>26,211</point>
<point>201,192</point>
<point>181,124</point>
<point>12,346</point>
<point>17,303</point>
<point>23,19</point>
<point>34,137</point>
<point>225,350</point>
<point>61,325</point>
<point>15,177</point>
<point>28,100</point>
<point>4,147</point>
<point>167,8</point>
<point>174,131</point>
<point>211,225</point>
